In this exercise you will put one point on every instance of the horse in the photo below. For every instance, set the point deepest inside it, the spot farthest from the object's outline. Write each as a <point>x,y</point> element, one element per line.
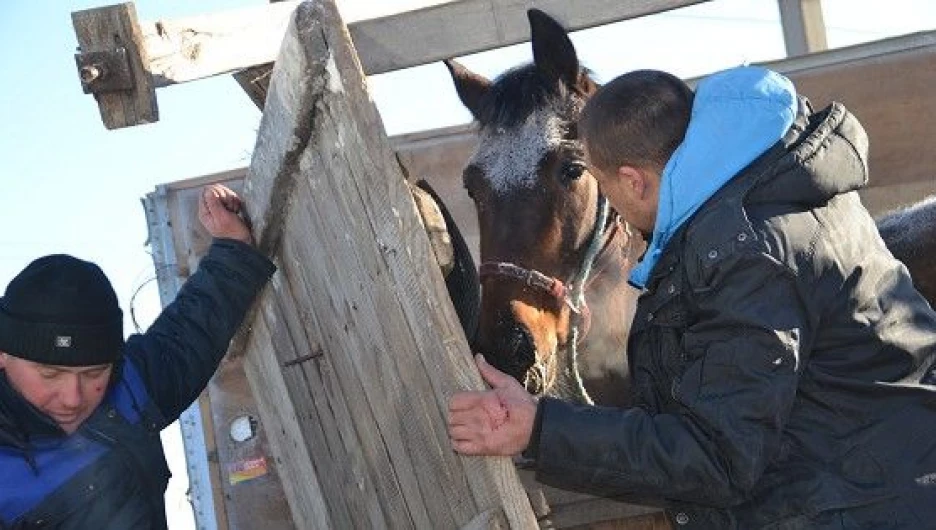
<point>554,256</point>
<point>555,304</point>
<point>910,234</point>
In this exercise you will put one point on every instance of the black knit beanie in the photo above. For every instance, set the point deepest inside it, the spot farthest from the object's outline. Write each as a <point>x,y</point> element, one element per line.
<point>63,311</point>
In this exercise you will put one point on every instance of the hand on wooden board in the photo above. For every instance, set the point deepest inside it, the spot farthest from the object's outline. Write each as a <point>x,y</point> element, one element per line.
<point>497,422</point>
<point>219,212</point>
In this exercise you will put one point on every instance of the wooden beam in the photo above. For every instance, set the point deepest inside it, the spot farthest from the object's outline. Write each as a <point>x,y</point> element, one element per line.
<point>803,26</point>
<point>187,49</point>
<point>191,48</point>
<point>168,52</point>
<point>924,41</point>
<point>111,46</point>
<point>469,26</point>
<point>256,82</point>
<point>355,348</point>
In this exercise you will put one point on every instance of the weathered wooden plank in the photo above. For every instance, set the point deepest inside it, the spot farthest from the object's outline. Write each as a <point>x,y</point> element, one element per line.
<point>469,26</point>
<point>182,49</point>
<point>327,198</point>
<point>654,521</point>
<point>302,483</point>
<point>255,81</point>
<point>569,509</point>
<point>487,520</point>
<point>191,48</point>
<point>370,487</point>
<point>803,26</point>
<point>113,29</point>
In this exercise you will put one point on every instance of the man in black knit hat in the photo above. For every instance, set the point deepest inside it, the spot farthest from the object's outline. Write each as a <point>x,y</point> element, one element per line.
<point>81,409</point>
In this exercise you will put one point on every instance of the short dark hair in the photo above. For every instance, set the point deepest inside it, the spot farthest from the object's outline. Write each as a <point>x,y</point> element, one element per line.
<point>637,119</point>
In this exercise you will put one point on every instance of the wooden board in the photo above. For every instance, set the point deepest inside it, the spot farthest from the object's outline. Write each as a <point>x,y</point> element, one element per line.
<point>107,30</point>
<point>803,26</point>
<point>191,48</point>
<point>367,346</point>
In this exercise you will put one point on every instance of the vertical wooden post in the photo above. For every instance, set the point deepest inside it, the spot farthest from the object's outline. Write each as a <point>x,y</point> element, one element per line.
<point>803,26</point>
<point>368,348</point>
<point>113,64</point>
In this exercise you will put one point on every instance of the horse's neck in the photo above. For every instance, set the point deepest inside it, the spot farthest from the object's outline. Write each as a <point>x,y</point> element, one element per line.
<point>614,263</point>
<point>601,354</point>
<point>610,298</point>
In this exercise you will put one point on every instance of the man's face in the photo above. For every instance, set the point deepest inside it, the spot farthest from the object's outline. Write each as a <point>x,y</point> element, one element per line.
<point>67,394</point>
<point>633,193</point>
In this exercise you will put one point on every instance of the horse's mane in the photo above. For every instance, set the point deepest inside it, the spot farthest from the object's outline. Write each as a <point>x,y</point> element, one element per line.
<point>519,92</point>
<point>909,230</point>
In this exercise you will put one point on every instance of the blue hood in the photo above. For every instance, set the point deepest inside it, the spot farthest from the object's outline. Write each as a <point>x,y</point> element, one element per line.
<point>737,115</point>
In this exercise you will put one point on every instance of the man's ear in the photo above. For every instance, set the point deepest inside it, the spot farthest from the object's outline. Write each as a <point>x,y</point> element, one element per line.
<point>3,359</point>
<point>634,179</point>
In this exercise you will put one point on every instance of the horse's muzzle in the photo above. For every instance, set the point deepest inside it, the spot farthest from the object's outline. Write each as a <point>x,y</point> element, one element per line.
<point>512,350</point>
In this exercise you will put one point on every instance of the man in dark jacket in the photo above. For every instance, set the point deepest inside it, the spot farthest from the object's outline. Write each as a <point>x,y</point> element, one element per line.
<point>778,348</point>
<point>80,409</point>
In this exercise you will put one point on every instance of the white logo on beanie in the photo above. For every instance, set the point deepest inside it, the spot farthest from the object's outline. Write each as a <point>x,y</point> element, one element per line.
<point>63,341</point>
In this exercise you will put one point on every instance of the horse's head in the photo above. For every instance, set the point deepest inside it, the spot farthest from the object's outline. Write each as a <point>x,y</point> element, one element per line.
<point>538,206</point>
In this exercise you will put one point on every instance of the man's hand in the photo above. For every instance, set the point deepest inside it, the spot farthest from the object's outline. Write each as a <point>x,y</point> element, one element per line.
<point>498,422</point>
<point>218,212</point>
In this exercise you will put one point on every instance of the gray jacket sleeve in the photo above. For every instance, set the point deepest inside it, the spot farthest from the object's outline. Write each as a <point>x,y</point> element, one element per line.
<point>180,352</point>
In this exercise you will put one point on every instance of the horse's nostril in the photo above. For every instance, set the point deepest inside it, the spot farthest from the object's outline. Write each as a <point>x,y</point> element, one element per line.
<point>517,344</point>
<point>517,341</point>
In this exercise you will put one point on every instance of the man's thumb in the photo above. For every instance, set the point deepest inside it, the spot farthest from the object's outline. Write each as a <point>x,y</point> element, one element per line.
<point>493,376</point>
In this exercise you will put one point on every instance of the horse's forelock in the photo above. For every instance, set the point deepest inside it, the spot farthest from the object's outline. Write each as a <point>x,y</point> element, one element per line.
<point>523,117</point>
<point>522,91</point>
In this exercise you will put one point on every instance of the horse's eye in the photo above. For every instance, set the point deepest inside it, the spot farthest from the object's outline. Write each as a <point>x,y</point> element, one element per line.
<point>471,176</point>
<point>571,170</point>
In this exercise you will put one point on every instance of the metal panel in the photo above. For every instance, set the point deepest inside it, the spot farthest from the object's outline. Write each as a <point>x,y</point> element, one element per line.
<point>196,456</point>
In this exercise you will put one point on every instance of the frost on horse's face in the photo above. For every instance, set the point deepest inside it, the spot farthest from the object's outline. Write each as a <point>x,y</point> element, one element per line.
<point>538,211</point>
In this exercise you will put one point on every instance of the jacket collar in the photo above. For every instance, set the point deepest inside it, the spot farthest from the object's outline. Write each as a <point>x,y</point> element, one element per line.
<point>20,421</point>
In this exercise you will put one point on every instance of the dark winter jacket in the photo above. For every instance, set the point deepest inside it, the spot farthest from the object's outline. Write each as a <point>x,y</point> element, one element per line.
<point>776,353</point>
<point>112,473</point>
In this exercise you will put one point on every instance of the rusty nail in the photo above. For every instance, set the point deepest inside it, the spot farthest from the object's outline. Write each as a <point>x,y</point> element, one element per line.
<point>292,362</point>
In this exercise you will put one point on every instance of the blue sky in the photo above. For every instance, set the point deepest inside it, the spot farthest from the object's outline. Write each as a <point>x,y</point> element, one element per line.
<point>69,185</point>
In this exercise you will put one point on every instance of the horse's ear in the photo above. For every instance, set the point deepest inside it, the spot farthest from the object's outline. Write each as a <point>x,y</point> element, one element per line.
<point>470,86</point>
<point>553,51</point>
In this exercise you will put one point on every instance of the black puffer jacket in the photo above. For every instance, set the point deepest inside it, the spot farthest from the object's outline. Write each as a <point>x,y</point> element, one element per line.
<point>111,474</point>
<point>776,354</point>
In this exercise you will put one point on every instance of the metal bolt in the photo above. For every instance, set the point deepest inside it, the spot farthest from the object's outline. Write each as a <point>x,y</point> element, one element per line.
<point>682,519</point>
<point>91,73</point>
